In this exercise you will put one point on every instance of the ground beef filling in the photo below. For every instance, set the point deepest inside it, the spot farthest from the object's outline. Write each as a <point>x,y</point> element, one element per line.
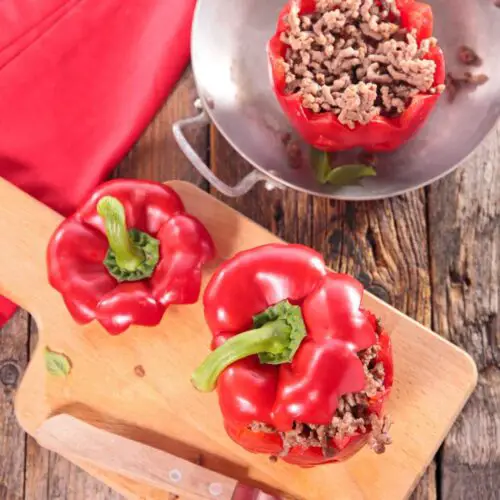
<point>352,58</point>
<point>352,416</point>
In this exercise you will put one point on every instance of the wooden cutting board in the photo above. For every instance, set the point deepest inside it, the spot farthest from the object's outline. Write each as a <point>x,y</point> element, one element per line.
<point>138,384</point>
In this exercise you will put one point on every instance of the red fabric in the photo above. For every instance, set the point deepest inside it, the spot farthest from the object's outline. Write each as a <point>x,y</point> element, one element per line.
<point>79,81</point>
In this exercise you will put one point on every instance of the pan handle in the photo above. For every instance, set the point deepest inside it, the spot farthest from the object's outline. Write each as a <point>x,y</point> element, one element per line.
<point>243,187</point>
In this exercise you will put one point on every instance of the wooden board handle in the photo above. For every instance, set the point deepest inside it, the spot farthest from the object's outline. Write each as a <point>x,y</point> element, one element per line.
<point>26,226</point>
<point>68,435</point>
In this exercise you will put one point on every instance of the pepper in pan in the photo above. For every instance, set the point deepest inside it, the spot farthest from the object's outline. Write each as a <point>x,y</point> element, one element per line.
<point>127,254</point>
<point>302,371</point>
<point>356,73</point>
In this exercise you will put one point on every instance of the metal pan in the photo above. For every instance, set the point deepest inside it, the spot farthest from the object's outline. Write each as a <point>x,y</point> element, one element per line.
<point>231,71</point>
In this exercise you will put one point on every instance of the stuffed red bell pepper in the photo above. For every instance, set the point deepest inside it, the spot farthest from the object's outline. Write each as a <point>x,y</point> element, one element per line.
<point>302,370</point>
<point>127,254</point>
<point>356,73</point>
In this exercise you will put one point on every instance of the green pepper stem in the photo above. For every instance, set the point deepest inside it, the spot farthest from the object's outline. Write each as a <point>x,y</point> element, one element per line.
<point>273,337</point>
<point>112,212</point>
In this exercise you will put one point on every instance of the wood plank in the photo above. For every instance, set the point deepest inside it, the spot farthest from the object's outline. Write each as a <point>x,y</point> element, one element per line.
<point>383,244</point>
<point>68,482</point>
<point>13,361</point>
<point>37,482</point>
<point>427,486</point>
<point>464,214</point>
<point>50,477</point>
<point>156,156</point>
<point>285,213</point>
<point>104,390</point>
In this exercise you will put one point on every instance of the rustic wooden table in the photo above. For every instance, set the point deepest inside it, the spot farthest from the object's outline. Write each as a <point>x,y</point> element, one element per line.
<point>433,254</point>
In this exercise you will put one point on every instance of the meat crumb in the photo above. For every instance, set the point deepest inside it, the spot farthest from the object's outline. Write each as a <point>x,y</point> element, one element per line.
<point>261,427</point>
<point>379,437</point>
<point>351,417</point>
<point>468,56</point>
<point>353,59</point>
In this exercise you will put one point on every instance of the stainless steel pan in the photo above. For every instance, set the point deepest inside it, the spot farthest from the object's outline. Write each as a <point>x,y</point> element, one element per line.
<point>231,71</point>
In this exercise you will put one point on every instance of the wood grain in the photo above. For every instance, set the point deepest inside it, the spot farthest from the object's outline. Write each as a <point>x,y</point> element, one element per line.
<point>284,213</point>
<point>104,390</point>
<point>38,460</point>
<point>13,361</point>
<point>156,156</point>
<point>383,244</point>
<point>462,309</point>
<point>49,476</point>
<point>464,213</point>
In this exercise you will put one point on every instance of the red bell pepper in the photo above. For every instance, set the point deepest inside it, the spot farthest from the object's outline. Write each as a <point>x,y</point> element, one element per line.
<point>127,254</point>
<point>303,330</point>
<point>323,130</point>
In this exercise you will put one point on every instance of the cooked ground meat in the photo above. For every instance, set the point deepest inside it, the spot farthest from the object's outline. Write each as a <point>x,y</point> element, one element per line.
<point>352,416</point>
<point>352,58</point>
<point>261,427</point>
<point>379,437</point>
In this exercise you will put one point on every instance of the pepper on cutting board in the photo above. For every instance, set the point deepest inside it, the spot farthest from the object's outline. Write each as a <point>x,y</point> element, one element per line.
<point>287,338</point>
<point>324,130</point>
<point>128,253</point>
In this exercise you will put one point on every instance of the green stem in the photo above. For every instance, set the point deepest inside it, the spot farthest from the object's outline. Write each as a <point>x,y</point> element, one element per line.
<point>273,338</point>
<point>128,256</point>
<point>320,161</point>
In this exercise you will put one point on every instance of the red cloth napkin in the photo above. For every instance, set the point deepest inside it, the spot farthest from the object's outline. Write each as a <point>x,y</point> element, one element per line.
<point>79,81</point>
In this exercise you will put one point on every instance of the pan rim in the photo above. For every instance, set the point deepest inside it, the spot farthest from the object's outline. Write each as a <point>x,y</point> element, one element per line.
<point>334,196</point>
